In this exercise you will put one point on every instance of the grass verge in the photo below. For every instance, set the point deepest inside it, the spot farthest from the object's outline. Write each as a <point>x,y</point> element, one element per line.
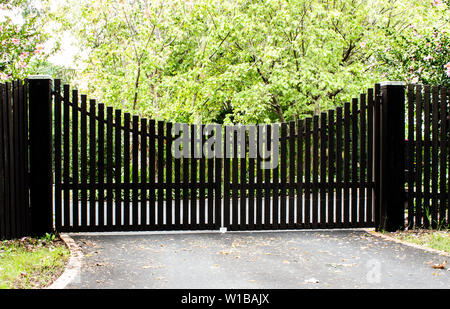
<point>435,239</point>
<point>31,263</point>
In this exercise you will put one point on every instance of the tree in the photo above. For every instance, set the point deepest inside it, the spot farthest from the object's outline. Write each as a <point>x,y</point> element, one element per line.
<point>21,39</point>
<point>420,53</point>
<point>238,61</point>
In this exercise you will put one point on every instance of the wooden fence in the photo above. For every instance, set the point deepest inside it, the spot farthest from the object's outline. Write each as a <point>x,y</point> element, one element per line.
<point>14,195</point>
<point>428,156</point>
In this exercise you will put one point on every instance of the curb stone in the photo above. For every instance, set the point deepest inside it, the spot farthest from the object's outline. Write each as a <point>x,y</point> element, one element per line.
<point>73,268</point>
<point>386,237</point>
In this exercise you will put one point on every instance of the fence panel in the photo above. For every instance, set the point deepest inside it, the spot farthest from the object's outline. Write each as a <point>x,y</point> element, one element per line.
<point>14,166</point>
<point>427,156</point>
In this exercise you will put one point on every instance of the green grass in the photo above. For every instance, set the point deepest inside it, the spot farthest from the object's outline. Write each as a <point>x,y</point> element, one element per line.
<point>31,263</point>
<point>439,240</point>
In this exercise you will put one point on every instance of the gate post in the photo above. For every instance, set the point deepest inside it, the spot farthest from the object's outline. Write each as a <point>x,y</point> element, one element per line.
<point>392,165</point>
<point>40,137</point>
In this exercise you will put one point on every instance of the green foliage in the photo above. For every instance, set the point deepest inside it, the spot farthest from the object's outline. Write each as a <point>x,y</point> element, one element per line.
<point>418,56</point>
<point>31,263</point>
<point>246,61</point>
<point>20,43</point>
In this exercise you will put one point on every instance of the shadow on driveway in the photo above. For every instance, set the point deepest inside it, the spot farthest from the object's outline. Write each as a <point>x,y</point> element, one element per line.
<point>252,260</point>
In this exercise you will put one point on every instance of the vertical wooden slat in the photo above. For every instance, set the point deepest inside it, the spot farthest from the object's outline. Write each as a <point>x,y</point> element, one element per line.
<point>75,166</point>
<point>283,176</point>
<point>268,182</point>
<point>210,197</point>
<point>126,169</point>
<point>291,221</point>
<point>362,161</point>
<point>83,161</point>
<point>101,164</point>
<point>300,133</point>
<point>226,182</point>
<point>177,187</point>
<point>92,165</point>
<point>235,184</point>
<point>18,169</point>
<point>135,171</point>
<point>259,181</point>
<point>109,167</point>
<point>57,149</point>
<point>370,140</point>
<point>218,182</point>
<point>426,157</point>
<point>308,172</point>
<point>354,177</point>
<point>377,153</point>
<point>339,157</point>
<point>446,97</point>
<point>251,180</point>
<point>243,183</point>
<point>331,169</point>
<point>4,184</point>
<point>143,169</point>
<point>10,210</point>
<point>274,200</point>
<point>346,204</point>
<point>15,143</point>
<point>324,187</point>
<point>186,160</point>
<point>315,172</point>
<point>202,182</point>
<point>25,153</point>
<point>410,156</point>
<point>443,156</point>
<point>66,158</point>
<point>169,206</point>
<point>151,173</point>
<point>118,167</point>
<point>23,142</point>
<point>194,185</point>
<point>435,157</point>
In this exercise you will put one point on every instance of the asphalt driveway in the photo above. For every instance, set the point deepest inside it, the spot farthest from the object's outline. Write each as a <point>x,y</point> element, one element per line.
<point>297,259</point>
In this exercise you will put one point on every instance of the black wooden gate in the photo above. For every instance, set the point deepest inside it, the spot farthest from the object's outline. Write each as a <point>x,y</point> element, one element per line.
<point>116,171</point>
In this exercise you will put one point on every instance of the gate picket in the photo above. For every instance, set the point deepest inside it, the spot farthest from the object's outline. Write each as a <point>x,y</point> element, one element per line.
<point>426,157</point>
<point>443,201</point>
<point>300,208</point>
<point>339,165</point>
<point>362,161</point>
<point>324,188</point>
<point>354,160</point>
<point>315,173</point>
<point>109,167</point>
<point>291,218</point>
<point>169,212</point>
<point>126,169</point>
<point>308,173</point>
<point>83,160</point>
<point>331,170</point>
<point>283,176</point>
<point>101,165</point>
<point>118,168</point>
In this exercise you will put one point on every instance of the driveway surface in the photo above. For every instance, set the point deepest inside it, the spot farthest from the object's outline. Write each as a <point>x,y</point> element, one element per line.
<point>253,260</point>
